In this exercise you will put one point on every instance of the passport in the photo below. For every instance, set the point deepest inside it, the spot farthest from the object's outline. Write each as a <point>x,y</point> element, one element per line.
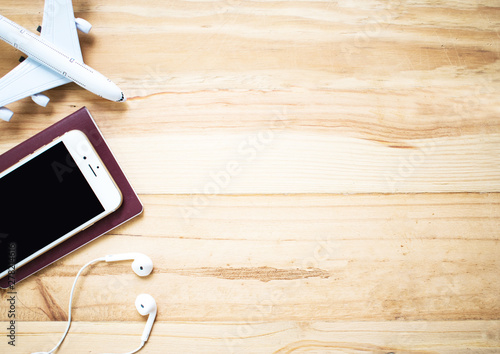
<point>130,208</point>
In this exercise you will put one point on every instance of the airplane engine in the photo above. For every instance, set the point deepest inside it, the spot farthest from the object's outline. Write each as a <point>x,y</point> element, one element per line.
<point>83,25</point>
<point>40,99</point>
<point>6,114</point>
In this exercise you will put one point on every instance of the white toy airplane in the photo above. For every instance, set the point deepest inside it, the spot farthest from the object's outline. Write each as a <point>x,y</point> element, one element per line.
<point>54,59</point>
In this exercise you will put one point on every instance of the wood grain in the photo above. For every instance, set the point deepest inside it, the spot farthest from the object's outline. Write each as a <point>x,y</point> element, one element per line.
<point>447,337</point>
<point>362,257</point>
<point>285,91</point>
<point>318,177</point>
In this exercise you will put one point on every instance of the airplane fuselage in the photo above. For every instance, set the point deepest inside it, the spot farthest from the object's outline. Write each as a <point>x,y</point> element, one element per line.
<point>46,53</point>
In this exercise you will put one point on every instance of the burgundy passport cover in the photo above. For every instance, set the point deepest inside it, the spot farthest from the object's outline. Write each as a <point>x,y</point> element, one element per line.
<point>131,206</point>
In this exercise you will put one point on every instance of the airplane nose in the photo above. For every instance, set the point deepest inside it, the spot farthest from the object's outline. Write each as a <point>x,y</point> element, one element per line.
<point>123,99</point>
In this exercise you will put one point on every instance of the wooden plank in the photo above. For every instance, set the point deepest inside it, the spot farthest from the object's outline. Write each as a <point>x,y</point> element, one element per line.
<point>352,258</point>
<point>283,89</point>
<point>268,161</point>
<point>311,100</point>
<point>272,162</point>
<point>445,337</point>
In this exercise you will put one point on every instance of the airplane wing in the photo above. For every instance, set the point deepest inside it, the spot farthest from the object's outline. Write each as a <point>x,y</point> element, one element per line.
<point>59,27</point>
<point>26,79</point>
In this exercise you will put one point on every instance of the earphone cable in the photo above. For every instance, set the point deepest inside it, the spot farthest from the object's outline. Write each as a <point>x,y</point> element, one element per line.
<point>70,303</point>
<point>136,350</point>
<point>102,259</point>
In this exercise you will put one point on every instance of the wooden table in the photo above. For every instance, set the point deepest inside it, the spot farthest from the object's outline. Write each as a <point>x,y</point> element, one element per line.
<point>318,177</point>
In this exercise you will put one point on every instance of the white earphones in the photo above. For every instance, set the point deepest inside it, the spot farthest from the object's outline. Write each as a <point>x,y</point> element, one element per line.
<point>142,265</point>
<point>146,305</point>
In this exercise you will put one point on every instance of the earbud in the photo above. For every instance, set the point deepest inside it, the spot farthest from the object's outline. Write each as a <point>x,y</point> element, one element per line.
<point>146,305</point>
<point>142,264</point>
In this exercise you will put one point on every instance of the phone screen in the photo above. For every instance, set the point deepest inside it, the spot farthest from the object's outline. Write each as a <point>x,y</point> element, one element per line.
<point>41,201</point>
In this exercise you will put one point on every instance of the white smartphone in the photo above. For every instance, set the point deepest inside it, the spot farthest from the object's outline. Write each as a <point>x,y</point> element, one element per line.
<point>51,195</point>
